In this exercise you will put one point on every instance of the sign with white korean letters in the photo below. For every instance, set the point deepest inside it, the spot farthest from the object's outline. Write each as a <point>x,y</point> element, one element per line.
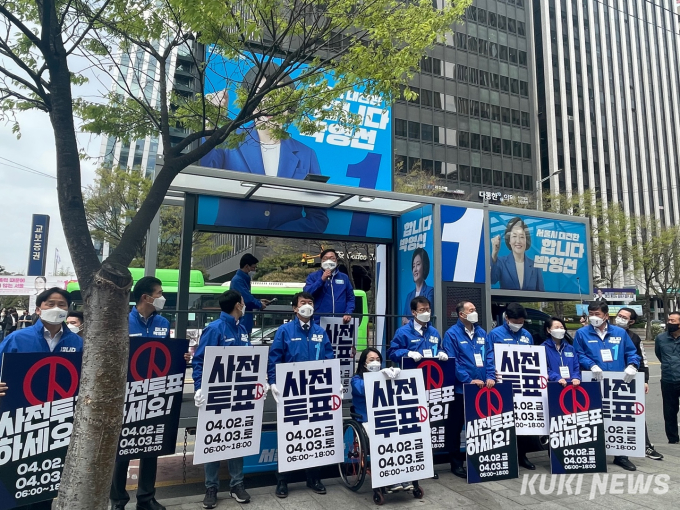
<point>309,414</point>
<point>525,368</point>
<point>440,379</point>
<point>623,408</point>
<point>343,337</point>
<point>153,398</point>
<point>230,423</point>
<point>490,439</point>
<point>398,428</point>
<point>576,429</point>
<point>36,421</point>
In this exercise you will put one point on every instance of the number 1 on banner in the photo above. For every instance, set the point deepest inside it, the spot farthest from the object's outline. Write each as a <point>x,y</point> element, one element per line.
<point>467,232</point>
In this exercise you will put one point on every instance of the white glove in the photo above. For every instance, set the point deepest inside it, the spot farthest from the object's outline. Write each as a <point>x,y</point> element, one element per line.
<point>630,372</point>
<point>442,356</point>
<point>598,374</point>
<point>415,355</point>
<point>265,390</point>
<point>199,398</point>
<point>391,373</point>
<point>275,393</point>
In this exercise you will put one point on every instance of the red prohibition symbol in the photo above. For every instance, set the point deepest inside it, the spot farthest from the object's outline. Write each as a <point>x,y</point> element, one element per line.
<point>433,373</point>
<point>574,399</point>
<point>423,414</point>
<point>54,390</point>
<point>259,391</point>
<point>493,401</point>
<point>156,350</point>
<point>639,408</point>
<point>336,402</point>
<point>544,382</point>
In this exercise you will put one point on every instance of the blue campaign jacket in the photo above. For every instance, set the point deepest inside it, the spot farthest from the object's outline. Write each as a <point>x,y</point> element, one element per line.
<point>241,283</point>
<point>31,339</point>
<point>408,339</point>
<point>588,345</point>
<point>335,295</point>
<point>359,397</point>
<point>426,291</point>
<point>503,335</point>
<point>505,271</point>
<point>292,344</point>
<point>566,356</point>
<point>462,350</point>
<point>225,331</point>
<point>156,325</point>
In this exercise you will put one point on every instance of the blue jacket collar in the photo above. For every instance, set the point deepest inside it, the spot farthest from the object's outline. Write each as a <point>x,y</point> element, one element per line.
<point>229,319</point>
<point>138,316</point>
<point>241,273</point>
<point>412,323</point>
<point>460,324</point>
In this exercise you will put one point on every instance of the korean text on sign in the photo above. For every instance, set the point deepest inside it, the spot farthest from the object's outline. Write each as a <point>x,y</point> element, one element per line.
<point>309,414</point>
<point>525,368</point>
<point>343,338</point>
<point>415,234</point>
<point>560,251</point>
<point>230,423</point>
<point>399,430</point>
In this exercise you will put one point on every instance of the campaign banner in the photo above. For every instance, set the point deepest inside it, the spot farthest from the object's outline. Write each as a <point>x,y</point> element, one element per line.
<point>31,285</point>
<point>463,255</point>
<point>626,294</point>
<point>230,423</point>
<point>309,414</point>
<point>613,309</point>
<point>525,368</point>
<point>36,422</point>
<point>490,435</point>
<point>343,338</point>
<point>398,433</point>
<point>577,441</point>
<point>415,258</point>
<point>440,379</point>
<point>554,254</point>
<point>40,229</point>
<point>153,398</point>
<point>623,408</point>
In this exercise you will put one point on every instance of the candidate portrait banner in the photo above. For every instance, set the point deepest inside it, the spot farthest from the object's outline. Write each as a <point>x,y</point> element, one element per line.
<point>440,380</point>
<point>398,428</point>
<point>577,439</point>
<point>153,398</point>
<point>623,408</point>
<point>230,423</point>
<point>525,368</point>
<point>343,338</point>
<point>309,414</point>
<point>36,422</point>
<point>490,437</point>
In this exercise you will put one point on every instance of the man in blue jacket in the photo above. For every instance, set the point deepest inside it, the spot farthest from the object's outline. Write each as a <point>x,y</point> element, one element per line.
<point>332,290</point>
<point>603,347</point>
<point>241,282</point>
<point>144,321</point>
<point>466,343</point>
<point>418,339</point>
<point>228,330</point>
<point>298,340</point>
<point>48,334</point>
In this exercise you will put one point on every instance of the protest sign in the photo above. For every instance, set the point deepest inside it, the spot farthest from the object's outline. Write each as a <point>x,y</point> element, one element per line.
<point>343,338</point>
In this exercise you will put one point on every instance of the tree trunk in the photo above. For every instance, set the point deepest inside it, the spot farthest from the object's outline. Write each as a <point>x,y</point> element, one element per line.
<point>86,479</point>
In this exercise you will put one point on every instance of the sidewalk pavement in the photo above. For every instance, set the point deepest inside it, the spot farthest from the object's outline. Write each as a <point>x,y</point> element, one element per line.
<point>618,492</point>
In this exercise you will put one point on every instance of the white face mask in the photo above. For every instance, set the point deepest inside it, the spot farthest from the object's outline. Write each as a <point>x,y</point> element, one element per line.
<point>159,303</point>
<point>558,333</point>
<point>241,311</point>
<point>514,327</point>
<point>328,265</point>
<point>54,315</point>
<point>621,322</point>
<point>596,321</point>
<point>74,328</point>
<point>306,311</point>
<point>252,274</point>
<point>373,366</point>
<point>472,317</point>
<point>424,317</point>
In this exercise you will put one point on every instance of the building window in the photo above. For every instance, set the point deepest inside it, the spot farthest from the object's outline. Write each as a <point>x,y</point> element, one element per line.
<point>451,137</point>
<point>506,115</point>
<point>462,73</point>
<point>474,141</point>
<point>501,22</point>
<point>486,176</point>
<point>524,88</point>
<point>426,132</point>
<point>497,178</point>
<point>400,127</point>
<point>485,110</point>
<point>517,149</point>
<point>426,97</point>
<point>507,146</point>
<point>484,78</point>
<point>518,182</point>
<point>474,108</point>
<point>461,41</point>
<point>520,29</point>
<point>515,118</point>
<point>495,112</point>
<point>507,180</point>
<point>503,53</point>
<point>451,103</point>
<point>492,19</point>
<point>400,164</point>
<point>472,44</point>
<point>527,151</point>
<point>413,130</point>
<point>486,143</point>
<point>505,84</point>
<point>452,171</point>
<point>476,175</point>
<point>463,107</point>
<point>496,145</point>
<point>474,76</point>
<point>481,16</point>
<point>523,58</point>
<point>495,81</point>
<point>512,26</point>
<point>483,47</point>
<point>527,183</point>
<point>512,55</point>
<point>464,173</point>
<point>514,86</point>
<point>493,49</point>
<point>463,139</point>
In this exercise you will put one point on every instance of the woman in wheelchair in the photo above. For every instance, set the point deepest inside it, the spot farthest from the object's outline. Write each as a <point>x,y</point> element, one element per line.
<point>371,361</point>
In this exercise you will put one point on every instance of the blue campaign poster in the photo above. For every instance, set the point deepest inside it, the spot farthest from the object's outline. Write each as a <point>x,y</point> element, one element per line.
<point>415,259</point>
<point>462,244</point>
<point>550,255</point>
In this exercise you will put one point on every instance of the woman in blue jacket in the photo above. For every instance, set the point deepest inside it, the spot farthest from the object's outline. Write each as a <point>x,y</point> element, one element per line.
<point>563,365</point>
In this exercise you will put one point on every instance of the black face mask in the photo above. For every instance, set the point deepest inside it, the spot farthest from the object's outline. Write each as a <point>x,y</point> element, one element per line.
<point>672,328</point>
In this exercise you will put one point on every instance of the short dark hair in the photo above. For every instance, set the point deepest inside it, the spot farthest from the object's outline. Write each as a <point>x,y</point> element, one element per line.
<point>361,367</point>
<point>327,251</point>
<point>515,311</point>
<point>552,320</point>
<point>41,278</point>
<point>77,315</point>
<point>674,313</point>
<point>419,299</point>
<point>248,259</point>
<point>45,295</point>
<point>228,300</point>
<point>424,259</point>
<point>633,313</point>
<point>145,285</point>
<point>461,306</point>
<point>516,222</point>
<point>598,306</point>
<point>304,295</point>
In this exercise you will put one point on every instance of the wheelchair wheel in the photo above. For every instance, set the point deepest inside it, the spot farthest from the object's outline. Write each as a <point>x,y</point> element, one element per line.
<point>418,492</point>
<point>378,497</point>
<point>353,469</point>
